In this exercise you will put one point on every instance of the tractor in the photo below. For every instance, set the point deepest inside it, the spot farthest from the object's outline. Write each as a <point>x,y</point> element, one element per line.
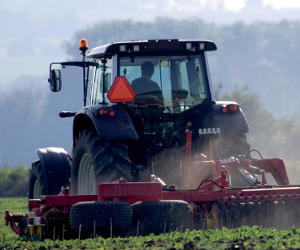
<point>143,97</point>
<point>153,150</point>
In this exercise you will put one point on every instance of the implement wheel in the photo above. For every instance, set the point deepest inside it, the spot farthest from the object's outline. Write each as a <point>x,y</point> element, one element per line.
<point>161,216</point>
<point>96,161</point>
<point>106,218</point>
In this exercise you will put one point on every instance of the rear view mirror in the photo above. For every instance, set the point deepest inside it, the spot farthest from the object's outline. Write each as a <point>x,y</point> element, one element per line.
<point>55,80</point>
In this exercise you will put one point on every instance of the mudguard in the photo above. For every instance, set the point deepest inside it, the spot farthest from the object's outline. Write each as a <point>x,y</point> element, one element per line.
<point>55,167</point>
<point>109,127</point>
<point>226,123</point>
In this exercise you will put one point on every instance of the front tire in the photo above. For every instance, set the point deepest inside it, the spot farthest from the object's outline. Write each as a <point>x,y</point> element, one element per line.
<point>96,161</point>
<point>43,181</point>
<point>37,182</point>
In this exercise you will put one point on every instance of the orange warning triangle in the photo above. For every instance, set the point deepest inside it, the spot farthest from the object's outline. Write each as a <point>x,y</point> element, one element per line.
<point>121,90</point>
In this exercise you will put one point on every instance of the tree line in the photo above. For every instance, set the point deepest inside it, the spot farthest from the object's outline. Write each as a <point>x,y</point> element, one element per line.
<point>14,181</point>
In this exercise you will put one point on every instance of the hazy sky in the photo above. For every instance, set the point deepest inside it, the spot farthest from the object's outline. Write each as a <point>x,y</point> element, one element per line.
<point>33,32</point>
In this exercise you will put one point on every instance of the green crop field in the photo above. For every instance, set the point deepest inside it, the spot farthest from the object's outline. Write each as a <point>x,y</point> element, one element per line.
<point>241,238</point>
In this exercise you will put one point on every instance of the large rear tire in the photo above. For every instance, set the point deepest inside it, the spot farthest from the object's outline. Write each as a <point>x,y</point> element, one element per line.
<point>96,161</point>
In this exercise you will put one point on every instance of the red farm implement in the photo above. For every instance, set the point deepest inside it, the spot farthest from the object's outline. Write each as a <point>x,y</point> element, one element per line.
<point>136,208</point>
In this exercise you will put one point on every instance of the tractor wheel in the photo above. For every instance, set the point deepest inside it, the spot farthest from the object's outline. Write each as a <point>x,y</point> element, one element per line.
<point>35,180</point>
<point>161,216</point>
<point>97,161</point>
<point>106,218</point>
<point>40,184</point>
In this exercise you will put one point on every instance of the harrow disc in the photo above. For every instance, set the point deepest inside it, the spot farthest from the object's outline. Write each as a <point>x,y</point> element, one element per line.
<point>280,214</point>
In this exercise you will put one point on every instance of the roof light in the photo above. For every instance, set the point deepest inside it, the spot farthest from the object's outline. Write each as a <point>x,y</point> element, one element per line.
<point>201,46</point>
<point>188,46</point>
<point>83,43</point>
<point>136,48</point>
<point>122,48</point>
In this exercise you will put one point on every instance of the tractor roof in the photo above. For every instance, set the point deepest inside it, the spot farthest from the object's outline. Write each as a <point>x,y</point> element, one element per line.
<point>150,46</point>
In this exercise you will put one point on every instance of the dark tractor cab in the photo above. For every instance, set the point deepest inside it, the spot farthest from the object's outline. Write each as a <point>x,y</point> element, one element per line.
<point>145,97</point>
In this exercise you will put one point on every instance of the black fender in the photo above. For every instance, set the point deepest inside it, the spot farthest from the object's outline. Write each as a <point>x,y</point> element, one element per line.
<point>54,169</point>
<point>225,123</point>
<point>109,127</point>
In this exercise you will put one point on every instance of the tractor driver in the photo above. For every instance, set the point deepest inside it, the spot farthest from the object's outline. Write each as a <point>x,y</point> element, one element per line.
<point>145,88</point>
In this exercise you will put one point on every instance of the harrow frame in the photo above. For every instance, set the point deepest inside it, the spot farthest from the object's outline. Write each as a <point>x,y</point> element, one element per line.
<point>213,191</point>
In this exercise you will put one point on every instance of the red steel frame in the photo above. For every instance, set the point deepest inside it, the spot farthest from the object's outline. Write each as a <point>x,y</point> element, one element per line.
<point>216,190</point>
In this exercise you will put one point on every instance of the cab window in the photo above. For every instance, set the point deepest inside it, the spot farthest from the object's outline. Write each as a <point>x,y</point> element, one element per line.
<point>182,80</point>
<point>97,96</point>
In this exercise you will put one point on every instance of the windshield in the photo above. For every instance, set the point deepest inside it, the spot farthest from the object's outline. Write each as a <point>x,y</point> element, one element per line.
<point>178,82</point>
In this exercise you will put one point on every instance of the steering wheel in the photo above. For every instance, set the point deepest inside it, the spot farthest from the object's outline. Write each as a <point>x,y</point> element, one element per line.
<point>151,97</point>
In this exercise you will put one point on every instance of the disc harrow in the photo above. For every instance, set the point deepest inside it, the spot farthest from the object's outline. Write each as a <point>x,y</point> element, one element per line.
<point>280,214</point>
<point>213,204</point>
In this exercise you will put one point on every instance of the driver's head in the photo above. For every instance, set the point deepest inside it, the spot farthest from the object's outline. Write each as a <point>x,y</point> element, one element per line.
<point>147,68</point>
